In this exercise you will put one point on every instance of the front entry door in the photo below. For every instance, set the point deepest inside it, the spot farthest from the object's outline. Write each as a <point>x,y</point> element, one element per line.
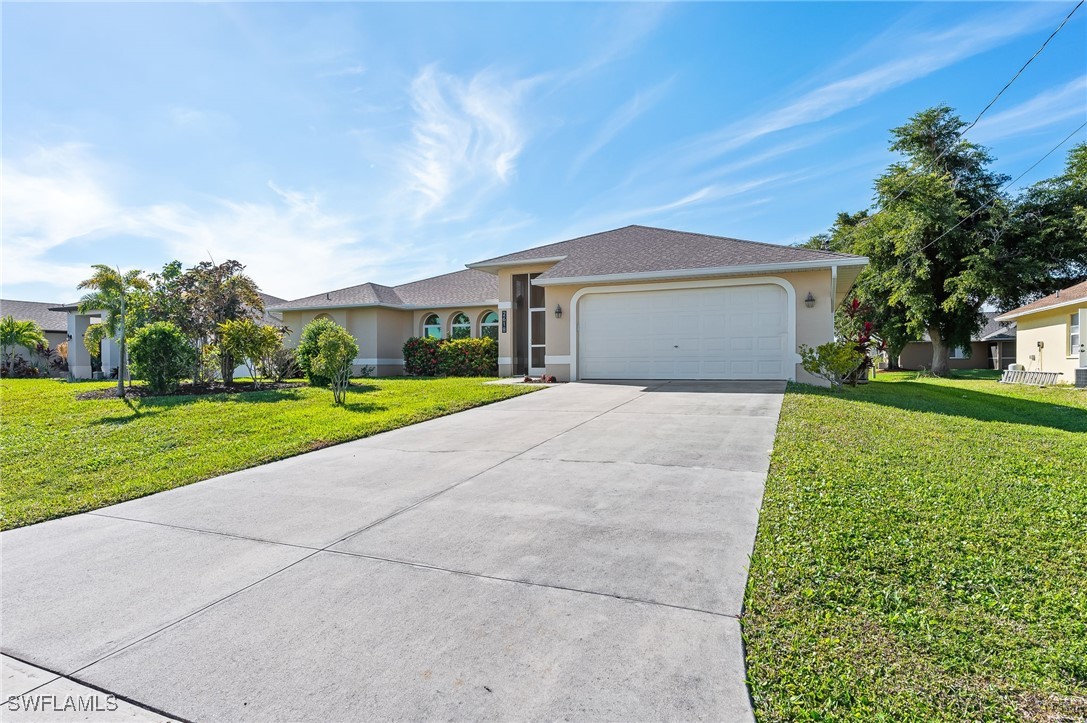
<point>529,320</point>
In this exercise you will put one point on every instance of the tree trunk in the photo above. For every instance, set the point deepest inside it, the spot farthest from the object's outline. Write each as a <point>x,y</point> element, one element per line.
<point>121,371</point>
<point>226,367</point>
<point>941,354</point>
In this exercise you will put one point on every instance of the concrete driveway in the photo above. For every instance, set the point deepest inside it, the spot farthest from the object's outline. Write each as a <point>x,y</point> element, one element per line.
<point>577,553</point>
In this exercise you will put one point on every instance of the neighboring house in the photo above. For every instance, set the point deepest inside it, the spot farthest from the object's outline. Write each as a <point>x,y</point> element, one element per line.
<point>53,323</point>
<point>79,359</point>
<point>632,303</point>
<point>991,348</point>
<point>1050,332</point>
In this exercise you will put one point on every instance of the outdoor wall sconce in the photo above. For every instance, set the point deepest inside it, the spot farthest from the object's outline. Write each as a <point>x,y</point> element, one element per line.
<point>558,311</point>
<point>809,301</point>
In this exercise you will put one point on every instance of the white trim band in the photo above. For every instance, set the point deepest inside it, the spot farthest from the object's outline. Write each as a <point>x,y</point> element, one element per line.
<point>712,271</point>
<point>505,360</point>
<point>550,359</point>
<point>373,362</point>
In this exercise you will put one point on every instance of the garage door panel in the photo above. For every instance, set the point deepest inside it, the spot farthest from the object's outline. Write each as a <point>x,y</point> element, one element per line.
<point>735,332</point>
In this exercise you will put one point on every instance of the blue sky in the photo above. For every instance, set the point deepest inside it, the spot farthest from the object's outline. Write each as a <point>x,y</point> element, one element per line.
<point>326,145</point>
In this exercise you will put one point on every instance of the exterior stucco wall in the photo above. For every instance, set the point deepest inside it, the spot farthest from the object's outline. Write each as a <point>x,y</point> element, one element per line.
<point>1051,328</point>
<point>918,355</point>
<point>813,326</point>
<point>380,332</point>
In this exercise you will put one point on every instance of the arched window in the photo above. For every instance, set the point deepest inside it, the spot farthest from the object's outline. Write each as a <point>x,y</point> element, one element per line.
<point>460,326</point>
<point>432,326</point>
<point>488,325</point>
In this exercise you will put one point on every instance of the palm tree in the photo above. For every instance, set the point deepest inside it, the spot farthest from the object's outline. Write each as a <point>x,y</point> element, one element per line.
<point>111,293</point>
<point>18,333</point>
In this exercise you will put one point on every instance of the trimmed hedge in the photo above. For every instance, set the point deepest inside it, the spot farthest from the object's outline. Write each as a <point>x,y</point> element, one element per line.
<point>430,357</point>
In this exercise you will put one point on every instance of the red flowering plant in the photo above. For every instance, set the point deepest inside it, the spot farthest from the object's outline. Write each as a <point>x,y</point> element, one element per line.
<point>854,327</point>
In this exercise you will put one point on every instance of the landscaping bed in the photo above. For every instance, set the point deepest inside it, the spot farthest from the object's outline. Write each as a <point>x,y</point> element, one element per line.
<point>60,455</point>
<point>922,555</point>
<point>138,391</point>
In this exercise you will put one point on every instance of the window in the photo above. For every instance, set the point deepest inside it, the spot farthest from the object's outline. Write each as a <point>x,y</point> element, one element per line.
<point>488,325</point>
<point>960,352</point>
<point>1073,334</point>
<point>460,326</point>
<point>432,326</point>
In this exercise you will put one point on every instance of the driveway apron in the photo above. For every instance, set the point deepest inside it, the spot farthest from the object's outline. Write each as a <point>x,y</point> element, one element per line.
<point>576,553</point>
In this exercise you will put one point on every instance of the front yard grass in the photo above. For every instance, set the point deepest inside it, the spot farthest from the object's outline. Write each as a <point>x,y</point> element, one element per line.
<point>922,555</point>
<point>60,455</point>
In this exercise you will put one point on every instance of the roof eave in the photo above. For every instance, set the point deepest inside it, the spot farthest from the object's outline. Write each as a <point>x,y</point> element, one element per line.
<point>487,265</point>
<point>737,270</point>
<point>1016,313</point>
<point>396,307</point>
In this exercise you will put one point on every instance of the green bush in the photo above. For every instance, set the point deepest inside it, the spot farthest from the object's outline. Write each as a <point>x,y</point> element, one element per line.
<point>336,350</point>
<point>161,356</point>
<point>833,361</point>
<point>469,358</point>
<point>430,357</point>
<point>308,350</point>
<point>422,356</point>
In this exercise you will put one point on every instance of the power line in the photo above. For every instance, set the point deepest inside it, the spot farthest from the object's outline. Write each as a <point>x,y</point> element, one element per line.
<point>983,110</point>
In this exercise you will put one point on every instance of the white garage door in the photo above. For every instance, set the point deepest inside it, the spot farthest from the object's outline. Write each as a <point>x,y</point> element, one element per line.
<point>727,332</point>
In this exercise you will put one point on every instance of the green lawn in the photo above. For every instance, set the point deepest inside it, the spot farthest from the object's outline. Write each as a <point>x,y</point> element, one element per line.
<point>60,455</point>
<point>922,555</point>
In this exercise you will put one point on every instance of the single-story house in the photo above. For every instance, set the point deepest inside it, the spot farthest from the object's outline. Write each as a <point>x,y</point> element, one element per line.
<point>991,348</point>
<point>53,323</point>
<point>632,303</point>
<point>1050,332</point>
<point>76,325</point>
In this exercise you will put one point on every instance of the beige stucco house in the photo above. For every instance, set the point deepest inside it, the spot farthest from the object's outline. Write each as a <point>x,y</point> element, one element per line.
<point>632,303</point>
<point>53,323</point>
<point>993,347</point>
<point>1050,333</point>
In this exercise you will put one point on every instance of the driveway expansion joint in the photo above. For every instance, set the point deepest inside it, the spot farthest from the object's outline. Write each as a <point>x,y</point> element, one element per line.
<point>498,578</point>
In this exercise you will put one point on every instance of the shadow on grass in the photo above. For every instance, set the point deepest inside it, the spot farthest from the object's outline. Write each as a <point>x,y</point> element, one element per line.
<point>137,412</point>
<point>958,401</point>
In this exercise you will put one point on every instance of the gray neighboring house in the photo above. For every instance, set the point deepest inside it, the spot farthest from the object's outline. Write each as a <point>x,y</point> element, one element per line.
<point>53,323</point>
<point>991,348</point>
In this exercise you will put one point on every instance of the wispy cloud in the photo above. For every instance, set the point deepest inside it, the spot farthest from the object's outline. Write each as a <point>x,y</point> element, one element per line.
<point>57,197</point>
<point>466,134</point>
<point>622,33</point>
<point>623,116</point>
<point>921,54</point>
<point>1048,108</point>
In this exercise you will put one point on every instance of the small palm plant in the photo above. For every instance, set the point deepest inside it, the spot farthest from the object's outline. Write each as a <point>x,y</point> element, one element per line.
<point>111,293</point>
<point>15,333</point>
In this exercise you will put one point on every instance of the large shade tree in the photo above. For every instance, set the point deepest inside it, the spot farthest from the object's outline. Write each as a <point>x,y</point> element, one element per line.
<point>111,291</point>
<point>930,245</point>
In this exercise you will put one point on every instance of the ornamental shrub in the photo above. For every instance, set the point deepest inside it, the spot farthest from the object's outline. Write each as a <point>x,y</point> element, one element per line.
<point>833,361</point>
<point>307,350</point>
<point>469,358</point>
<point>161,356</point>
<point>422,356</point>
<point>336,350</point>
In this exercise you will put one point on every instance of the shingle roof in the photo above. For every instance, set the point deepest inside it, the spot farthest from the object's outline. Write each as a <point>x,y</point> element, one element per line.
<point>468,287</point>
<point>1060,298</point>
<point>993,330</point>
<point>642,249</point>
<point>35,311</point>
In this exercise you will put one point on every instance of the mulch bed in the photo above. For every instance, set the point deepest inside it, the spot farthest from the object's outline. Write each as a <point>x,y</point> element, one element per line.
<point>188,390</point>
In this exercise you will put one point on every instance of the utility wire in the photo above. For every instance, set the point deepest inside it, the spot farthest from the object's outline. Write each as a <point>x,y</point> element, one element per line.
<point>983,110</point>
